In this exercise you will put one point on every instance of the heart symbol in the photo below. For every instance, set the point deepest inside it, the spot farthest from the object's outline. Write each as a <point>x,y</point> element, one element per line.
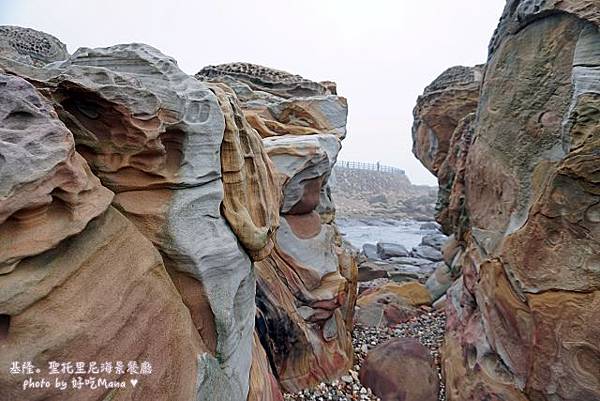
<point>133,382</point>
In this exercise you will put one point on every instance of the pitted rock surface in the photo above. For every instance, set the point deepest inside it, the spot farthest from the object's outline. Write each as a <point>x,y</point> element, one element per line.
<point>267,79</point>
<point>30,46</point>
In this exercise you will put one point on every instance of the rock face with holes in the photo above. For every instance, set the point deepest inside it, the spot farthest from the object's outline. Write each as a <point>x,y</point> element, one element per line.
<point>278,103</point>
<point>78,280</point>
<point>30,46</point>
<point>524,320</point>
<point>307,286</point>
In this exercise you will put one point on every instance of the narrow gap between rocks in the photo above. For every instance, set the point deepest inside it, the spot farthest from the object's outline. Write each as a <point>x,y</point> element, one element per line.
<point>389,223</point>
<point>4,326</point>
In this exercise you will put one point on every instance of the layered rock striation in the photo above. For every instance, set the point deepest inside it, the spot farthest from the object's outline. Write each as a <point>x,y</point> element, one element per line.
<point>523,321</point>
<point>115,157</point>
<point>306,287</point>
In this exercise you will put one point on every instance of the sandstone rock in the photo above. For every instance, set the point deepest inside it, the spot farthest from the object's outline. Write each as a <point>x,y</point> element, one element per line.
<point>410,261</point>
<point>153,135</point>
<point>348,269</point>
<point>309,342</point>
<point>442,132</point>
<point>451,208</point>
<point>190,171</point>
<point>441,303</point>
<point>263,384</point>
<point>451,249</point>
<point>303,123</point>
<point>390,304</point>
<point>102,295</point>
<point>55,211</point>
<point>47,191</point>
<point>310,309</point>
<point>307,285</point>
<point>265,79</point>
<point>527,228</point>
<point>252,195</point>
<point>448,99</point>
<point>29,46</point>
<point>370,271</point>
<point>384,311</point>
<point>306,162</point>
<point>413,379</point>
<point>402,272</point>
<point>398,272</point>
<point>278,103</point>
<point>387,250</point>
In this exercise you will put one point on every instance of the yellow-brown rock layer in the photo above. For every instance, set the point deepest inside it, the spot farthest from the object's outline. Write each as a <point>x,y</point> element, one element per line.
<point>252,193</point>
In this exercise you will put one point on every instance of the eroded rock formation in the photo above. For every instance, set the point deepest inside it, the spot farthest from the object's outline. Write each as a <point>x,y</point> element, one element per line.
<point>278,103</point>
<point>29,46</point>
<point>307,286</point>
<point>523,321</point>
<point>47,192</point>
<point>188,168</point>
<point>78,279</point>
<point>442,120</point>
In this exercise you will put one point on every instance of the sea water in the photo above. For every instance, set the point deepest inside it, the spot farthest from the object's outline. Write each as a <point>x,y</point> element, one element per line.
<point>371,231</point>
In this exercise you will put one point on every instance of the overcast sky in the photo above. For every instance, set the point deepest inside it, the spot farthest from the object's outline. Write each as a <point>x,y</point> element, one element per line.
<point>381,53</point>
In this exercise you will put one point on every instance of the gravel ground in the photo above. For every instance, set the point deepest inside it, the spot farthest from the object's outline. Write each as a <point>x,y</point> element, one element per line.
<point>428,328</point>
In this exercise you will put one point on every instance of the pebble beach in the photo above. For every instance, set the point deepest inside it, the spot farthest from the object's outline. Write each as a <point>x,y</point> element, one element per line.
<point>427,328</point>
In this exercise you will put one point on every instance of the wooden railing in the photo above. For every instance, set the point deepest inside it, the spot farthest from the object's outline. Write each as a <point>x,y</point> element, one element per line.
<point>369,166</point>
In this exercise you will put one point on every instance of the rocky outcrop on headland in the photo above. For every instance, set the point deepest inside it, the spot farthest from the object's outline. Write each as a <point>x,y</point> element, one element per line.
<point>523,320</point>
<point>370,194</point>
<point>122,175</point>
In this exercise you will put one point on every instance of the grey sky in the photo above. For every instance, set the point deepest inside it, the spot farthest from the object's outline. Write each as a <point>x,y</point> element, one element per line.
<point>382,53</point>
